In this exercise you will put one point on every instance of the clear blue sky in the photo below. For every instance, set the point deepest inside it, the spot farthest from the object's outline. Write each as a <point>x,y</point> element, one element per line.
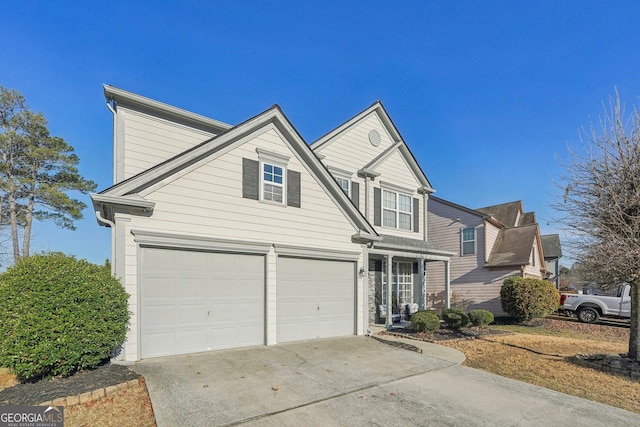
<point>486,94</point>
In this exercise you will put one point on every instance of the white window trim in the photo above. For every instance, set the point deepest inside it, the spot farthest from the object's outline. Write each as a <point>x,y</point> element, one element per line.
<point>397,209</point>
<point>283,185</point>
<point>475,241</point>
<point>274,159</point>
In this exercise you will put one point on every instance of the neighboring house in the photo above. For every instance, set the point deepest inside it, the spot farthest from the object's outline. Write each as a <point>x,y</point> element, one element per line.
<point>552,253</point>
<point>231,236</point>
<point>490,244</point>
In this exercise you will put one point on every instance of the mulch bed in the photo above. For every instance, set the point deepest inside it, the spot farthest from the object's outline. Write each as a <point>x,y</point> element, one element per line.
<point>82,382</point>
<point>444,334</point>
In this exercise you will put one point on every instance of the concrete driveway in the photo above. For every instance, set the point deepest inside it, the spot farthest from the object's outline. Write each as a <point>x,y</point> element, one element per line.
<point>353,381</point>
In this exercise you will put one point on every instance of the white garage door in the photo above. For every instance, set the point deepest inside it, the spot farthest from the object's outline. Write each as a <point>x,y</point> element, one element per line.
<point>316,299</point>
<point>197,301</point>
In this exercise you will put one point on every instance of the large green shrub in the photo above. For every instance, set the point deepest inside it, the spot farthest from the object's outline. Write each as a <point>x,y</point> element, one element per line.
<point>529,298</point>
<point>59,315</point>
<point>455,318</point>
<point>425,321</point>
<point>480,317</point>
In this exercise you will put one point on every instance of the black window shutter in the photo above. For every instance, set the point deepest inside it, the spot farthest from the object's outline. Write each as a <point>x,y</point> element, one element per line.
<point>250,179</point>
<point>416,215</point>
<point>377,265</point>
<point>415,268</point>
<point>377,206</point>
<point>293,188</point>
<point>355,194</point>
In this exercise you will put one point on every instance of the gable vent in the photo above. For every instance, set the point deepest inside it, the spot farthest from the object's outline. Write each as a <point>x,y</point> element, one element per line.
<point>374,137</point>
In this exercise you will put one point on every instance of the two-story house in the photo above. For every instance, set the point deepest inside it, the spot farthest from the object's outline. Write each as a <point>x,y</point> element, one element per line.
<point>490,244</point>
<point>229,236</point>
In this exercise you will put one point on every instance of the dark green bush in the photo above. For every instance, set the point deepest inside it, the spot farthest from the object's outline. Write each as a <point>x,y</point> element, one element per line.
<point>455,318</point>
<point>529,298</point>
<point>480,317</point>
<point>425,321</point>
<point>59,315</point>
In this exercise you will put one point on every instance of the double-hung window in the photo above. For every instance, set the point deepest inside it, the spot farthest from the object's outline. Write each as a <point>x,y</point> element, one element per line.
<point>345,184</point>
<point>468,241</point>
<point>272,183</point>
<point>397,210</point>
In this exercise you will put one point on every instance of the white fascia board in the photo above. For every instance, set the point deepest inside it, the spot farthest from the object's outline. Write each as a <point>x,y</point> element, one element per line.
<point>129,99</point>
<point>132,201</point>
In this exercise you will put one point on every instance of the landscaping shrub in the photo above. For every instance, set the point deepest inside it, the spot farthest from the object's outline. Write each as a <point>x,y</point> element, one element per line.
<point>59,315</point>
<point>455,318</point>
<point>480,317</point>
<point>425,321</point>
<point>529,298</point>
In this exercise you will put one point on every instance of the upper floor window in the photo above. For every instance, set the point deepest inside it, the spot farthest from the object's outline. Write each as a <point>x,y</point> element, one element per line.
<point>272,183</point>
<point>345,184</point>
<point>533,257</point>
<point>468,241</point>
<point>396,210</point>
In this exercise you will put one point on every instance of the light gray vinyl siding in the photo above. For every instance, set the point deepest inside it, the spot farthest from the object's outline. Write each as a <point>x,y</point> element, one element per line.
<point>352,147</point>
<point>151,140</point>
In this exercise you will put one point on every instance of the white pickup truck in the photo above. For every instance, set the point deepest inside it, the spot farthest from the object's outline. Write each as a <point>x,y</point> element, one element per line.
<point>589,308</point>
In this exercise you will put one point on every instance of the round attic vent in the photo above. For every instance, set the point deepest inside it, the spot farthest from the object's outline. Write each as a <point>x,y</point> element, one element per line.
<point>374,137</point>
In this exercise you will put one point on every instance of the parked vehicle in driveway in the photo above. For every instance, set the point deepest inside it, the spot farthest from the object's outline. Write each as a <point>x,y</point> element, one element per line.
<point>589,308</point>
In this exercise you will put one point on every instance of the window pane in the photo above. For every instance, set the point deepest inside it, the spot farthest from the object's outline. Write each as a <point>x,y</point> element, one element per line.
<point>277,171</point>
<point>405,203</point>
<point>268,168</point>
<point>277,179</point>
<point>468,248</point>
<point>468,234</point>
<point>389,218</point>
<point>389,200</point>
<point>405,221</point>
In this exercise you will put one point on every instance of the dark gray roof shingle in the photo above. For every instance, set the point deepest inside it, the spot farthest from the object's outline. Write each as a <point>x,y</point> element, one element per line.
<point>551,246</point>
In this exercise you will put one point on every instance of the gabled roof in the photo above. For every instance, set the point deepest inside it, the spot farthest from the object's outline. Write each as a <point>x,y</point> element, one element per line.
<point>528,218</point>
<point>482,215</point>
<point>105,201</point>
<point>513,246</point>
<point>506,213</point>
<point>398,143</point>
<point>551,246</point>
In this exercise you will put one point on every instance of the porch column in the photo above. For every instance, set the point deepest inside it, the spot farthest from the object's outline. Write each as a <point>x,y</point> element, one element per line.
<point>389,320</point>
<point>421,298</point>
<point>447,284</point>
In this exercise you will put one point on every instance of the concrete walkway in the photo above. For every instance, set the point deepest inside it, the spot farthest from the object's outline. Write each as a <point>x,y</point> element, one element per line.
<point>354,381</point>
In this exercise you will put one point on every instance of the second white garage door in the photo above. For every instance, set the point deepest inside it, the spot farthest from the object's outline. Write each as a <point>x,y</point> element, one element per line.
<point>315,299</point>
<point>197,301</point>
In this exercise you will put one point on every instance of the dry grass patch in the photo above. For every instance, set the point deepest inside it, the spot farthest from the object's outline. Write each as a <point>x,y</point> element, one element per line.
<point>129,407</point>
<point>538,358</point>
<point>7,379</point>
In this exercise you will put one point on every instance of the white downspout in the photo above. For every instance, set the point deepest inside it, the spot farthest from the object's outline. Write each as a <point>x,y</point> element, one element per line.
<point>112,226</point>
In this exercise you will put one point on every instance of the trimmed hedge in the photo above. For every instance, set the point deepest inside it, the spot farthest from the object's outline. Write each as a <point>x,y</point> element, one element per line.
<point>480,317</point>
<point>455,318</point>
<point>425,321</point>
<point>59,315</point>
<point>529,298</point>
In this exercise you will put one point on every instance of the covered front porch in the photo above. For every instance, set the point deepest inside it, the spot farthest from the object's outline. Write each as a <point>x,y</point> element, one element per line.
<point>403,286</point>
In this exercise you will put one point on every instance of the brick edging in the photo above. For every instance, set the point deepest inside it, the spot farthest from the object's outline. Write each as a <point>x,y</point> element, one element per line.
<point>94,395</point>
<point>606,368</point>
